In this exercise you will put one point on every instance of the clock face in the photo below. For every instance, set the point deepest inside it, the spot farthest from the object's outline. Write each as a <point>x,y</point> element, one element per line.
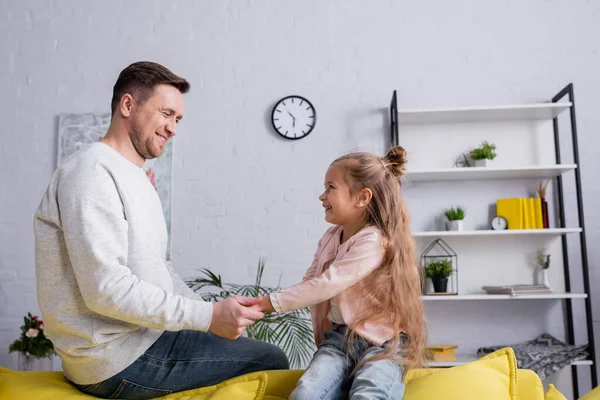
<point>294,117</point>
<point>499,223</point>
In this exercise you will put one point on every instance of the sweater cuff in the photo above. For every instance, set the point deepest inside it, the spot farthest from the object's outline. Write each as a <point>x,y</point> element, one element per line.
<point>199,315</point>
<point>275,302</point>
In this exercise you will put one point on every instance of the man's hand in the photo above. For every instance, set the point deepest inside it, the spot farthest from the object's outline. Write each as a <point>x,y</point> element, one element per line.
<point>233,315</point>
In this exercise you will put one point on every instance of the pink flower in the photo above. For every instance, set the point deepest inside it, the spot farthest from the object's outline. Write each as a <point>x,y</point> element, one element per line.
<point>152,178</point>
<point>41,327</point>
<point>31,333</point>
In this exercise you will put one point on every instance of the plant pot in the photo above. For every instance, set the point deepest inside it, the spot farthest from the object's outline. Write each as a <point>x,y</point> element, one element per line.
<point>483,163</point>
<point>456,225</point>
<point>440,285</point>
<point>33,363</point>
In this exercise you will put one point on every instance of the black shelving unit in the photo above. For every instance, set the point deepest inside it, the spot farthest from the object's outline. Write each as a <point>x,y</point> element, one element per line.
<point>568,93</point>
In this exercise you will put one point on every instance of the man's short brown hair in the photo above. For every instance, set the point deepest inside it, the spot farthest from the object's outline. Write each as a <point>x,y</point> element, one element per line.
<point>139,80</point>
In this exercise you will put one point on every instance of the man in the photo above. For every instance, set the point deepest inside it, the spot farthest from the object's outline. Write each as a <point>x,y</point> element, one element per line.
<point>123,322</point>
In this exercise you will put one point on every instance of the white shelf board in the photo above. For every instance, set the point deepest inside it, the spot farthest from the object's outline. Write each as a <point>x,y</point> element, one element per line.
<point>505,232</point>
<point>473,173</point>
<point>484,296</point>
<point>521,112</point>
<point>462,359</point>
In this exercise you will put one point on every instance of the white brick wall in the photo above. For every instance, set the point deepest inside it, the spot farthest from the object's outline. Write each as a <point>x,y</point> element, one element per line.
<point>241,192</point>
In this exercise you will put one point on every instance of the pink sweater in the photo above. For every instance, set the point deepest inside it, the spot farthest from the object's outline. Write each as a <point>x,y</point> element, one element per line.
<point>337,272</point>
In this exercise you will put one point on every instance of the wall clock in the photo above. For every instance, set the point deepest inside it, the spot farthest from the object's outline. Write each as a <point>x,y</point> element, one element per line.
<point>294,117</point>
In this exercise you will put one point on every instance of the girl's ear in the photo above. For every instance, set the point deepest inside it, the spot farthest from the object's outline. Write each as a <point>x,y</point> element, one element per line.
<point>364,197</point>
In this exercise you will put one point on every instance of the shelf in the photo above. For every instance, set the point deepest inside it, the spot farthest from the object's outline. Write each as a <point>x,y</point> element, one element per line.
<point>473,173</point>
<point>527,112</point>
<point>462,359</point>
<point>484,296</point>
<point>506,232</point>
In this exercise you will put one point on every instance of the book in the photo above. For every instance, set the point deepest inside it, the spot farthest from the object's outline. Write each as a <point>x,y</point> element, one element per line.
<point>517,289</point>
<point>441,352</point>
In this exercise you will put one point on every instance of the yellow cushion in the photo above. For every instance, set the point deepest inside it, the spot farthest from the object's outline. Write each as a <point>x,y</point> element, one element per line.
<point>46,386</point>
<point>593,395</point>
<point>493,377</point>
<point>554,394</point>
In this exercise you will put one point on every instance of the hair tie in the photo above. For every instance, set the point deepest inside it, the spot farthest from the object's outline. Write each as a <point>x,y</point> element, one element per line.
<point>383,164</point>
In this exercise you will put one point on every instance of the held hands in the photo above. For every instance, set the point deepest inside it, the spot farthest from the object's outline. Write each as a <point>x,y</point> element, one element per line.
<point>264,305</point>
<point>233,315</point>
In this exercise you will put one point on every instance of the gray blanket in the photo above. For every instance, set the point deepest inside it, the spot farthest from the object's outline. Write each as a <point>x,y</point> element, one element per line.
<point>545,354</point>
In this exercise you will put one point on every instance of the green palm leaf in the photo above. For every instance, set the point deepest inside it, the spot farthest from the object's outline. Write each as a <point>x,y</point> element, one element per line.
<point>292,331</point>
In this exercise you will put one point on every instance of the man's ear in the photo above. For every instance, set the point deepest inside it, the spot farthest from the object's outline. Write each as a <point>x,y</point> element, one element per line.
<point>126,105</point>
<point>364,197</point>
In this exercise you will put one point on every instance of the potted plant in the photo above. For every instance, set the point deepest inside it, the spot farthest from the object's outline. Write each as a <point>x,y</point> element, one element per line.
<point>455,216</point>
<point>34,348</point>
<point>439,271</point>
<point>291,331</point>
<point>484,154</point>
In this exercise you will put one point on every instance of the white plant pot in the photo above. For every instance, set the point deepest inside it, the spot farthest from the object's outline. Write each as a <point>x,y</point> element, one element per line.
<point>545,279</point>
<point>454,225</point>
<point>483,163</point>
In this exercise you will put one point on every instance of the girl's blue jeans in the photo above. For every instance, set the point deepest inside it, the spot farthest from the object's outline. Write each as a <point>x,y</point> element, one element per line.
<point>185,360</point>
<point>328,376</point>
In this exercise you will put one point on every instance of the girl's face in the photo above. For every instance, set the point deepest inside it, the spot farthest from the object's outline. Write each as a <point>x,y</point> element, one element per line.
<point>340,205</point>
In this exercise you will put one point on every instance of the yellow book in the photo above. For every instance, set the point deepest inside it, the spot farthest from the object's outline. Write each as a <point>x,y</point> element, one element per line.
<point>539,222</point>
<point>525,214</point>
<point>512,209</point>
<point>531,212</point>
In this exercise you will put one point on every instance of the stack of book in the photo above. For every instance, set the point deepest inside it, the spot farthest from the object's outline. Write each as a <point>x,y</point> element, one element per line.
<point>523,213</point>
<point>441,352</point>
<point>515,290</point>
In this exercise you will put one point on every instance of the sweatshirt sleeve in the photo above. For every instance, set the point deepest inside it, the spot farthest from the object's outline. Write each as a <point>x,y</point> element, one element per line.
<point>179,286</point>
<point>364,256</point>
<point>96,235</point>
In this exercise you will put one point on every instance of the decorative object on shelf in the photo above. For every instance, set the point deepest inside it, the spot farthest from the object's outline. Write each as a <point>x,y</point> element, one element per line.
<point>515,290</point>
<point>541,190</point>
<point>499,223</point>
<point>462,161</point>
<point>543,262</point>
<point>544,355</point>
<point>439,271</point>
<point>521,213</point>
<point>291,331</point>
<point>440,262</point>
<point>293,117</point>
<point>455,216</point>
<point>441,352</point>
<point>34,348</point>
<point>484,154</point>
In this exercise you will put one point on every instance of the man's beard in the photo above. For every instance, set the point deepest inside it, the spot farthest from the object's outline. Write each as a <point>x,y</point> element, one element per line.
<point>137,138</point>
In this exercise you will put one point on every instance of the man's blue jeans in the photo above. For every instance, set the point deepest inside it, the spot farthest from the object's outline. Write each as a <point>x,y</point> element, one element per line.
<point>185,360</point>
<point>329,374</point>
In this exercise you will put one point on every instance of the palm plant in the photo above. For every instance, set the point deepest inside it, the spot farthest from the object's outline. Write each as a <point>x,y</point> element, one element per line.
<point>292,331</point>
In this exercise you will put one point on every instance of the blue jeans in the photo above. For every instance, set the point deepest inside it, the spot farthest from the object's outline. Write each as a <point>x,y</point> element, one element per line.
<point>328,376</point>
<point>185,360</point>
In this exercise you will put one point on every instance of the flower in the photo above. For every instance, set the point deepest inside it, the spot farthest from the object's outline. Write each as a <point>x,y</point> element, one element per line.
<point>152,177</point>
<point>33,340</point>
<point>31,333</point>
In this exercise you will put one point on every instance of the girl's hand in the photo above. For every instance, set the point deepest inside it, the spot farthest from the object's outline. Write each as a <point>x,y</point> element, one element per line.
<point>264,305</point>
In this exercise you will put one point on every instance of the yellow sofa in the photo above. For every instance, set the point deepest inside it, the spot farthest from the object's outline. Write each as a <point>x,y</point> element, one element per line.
<point>493,377</point>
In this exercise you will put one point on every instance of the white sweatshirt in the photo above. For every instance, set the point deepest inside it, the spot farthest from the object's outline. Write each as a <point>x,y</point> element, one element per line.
<point>105,288</point>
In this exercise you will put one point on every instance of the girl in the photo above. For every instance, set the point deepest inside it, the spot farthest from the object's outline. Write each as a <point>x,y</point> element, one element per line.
<point>363,285</point>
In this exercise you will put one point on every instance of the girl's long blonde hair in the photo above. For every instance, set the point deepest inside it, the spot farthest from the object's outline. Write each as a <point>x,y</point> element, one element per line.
<point>394,288</point>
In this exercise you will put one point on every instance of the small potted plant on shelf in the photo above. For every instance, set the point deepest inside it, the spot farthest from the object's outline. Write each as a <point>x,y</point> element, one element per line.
<point>439,271</point>
<point>34,348</point>
<point>455,216</point>
<point>484,154</point>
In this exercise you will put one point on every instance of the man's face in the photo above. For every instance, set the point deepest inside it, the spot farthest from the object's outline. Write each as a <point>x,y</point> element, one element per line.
<point>155,121</point>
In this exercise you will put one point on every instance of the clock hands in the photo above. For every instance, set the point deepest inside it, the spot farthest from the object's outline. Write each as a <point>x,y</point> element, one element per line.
<point>293,119</point>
